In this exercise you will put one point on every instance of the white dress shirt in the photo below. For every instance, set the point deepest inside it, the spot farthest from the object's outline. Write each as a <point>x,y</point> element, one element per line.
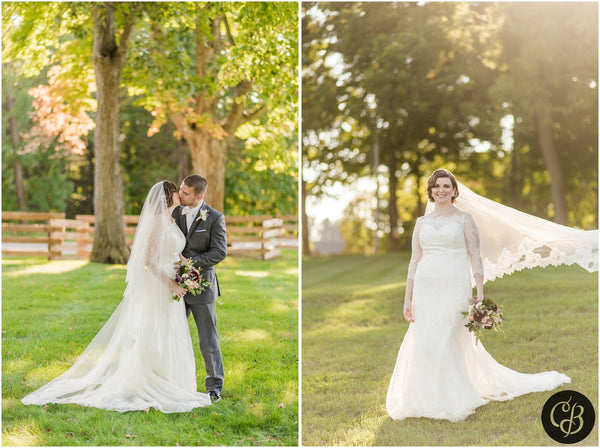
<point>190,213</point>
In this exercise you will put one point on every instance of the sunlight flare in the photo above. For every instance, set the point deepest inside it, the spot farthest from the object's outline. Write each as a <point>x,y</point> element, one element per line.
<point>24,434</point>
<point>54,267</point>
<point>258,274</point>
<point>253,334</point>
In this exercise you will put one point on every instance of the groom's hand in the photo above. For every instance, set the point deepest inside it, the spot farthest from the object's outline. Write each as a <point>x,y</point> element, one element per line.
<point>182,258</point>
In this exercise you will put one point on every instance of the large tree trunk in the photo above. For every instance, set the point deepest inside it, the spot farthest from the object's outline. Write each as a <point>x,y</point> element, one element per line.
<point>14,141</point>
<point>421,205</point>
<point>183,161</point>
<point>394,239</point>
<point>209,157</point>
<point>305,229</point>
<point>110,245</point>
<point>546,140</point>
<point>209,143</point>
<point>514,179</point>
<point>19,184</point>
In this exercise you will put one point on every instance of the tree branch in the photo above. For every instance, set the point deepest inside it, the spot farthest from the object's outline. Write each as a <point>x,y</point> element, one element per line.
<point>231,40</point>
<point>105,44</point>
<point>237,116</point>
<point>203,55</point>
<point>126,33</point>
<point>256,113</point>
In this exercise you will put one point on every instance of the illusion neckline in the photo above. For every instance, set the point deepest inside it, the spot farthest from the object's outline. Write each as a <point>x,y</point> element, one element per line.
<point>450,215</point>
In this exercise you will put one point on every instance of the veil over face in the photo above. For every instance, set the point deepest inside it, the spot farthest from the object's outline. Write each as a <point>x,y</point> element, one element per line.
<point>512,240</point>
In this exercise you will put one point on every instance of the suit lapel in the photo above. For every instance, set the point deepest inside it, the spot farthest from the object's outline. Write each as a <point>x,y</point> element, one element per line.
<point>196,221</point>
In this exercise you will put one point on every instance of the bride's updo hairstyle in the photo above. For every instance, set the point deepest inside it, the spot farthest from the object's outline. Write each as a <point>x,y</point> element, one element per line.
<point>437,174</point>
<point>170,188</point>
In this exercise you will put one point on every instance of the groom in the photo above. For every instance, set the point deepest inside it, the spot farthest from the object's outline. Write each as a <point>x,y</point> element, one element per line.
<point>206,244</point>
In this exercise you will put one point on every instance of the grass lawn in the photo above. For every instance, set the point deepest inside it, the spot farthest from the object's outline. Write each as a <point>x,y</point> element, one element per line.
<point>52,310</point>
<point>352,328</point>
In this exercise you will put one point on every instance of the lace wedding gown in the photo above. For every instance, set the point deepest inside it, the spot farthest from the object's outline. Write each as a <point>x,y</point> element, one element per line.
<point>143,356</point>
<point>440,371</point>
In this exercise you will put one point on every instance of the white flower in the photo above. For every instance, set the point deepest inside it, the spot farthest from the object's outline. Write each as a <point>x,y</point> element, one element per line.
<point>203,215</point>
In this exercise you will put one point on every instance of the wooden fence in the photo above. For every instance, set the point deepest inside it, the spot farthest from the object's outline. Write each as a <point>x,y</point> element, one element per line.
<point>52,236</point>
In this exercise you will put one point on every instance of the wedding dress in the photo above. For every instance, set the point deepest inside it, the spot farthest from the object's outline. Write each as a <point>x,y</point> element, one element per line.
<point>440,371</point>
<point>143,356</point>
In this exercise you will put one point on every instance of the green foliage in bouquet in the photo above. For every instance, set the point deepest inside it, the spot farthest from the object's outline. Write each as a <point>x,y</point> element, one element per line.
<point>483,315</point>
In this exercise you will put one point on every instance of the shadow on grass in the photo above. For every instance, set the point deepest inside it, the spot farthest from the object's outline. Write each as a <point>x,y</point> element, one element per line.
<point>67,303</point>
<point>352,332</point>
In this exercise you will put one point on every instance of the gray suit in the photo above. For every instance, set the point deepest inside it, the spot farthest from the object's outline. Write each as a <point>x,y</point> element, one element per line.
<point>206,244</point>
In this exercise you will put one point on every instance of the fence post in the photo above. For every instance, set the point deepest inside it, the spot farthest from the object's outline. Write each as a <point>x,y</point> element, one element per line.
<point>271,230</point>
<point>83,236</point>
<point>56,236</point>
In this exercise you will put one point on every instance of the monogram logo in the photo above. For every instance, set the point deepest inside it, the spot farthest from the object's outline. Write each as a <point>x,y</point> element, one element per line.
<point>569,411</point>
<point>568,416</point>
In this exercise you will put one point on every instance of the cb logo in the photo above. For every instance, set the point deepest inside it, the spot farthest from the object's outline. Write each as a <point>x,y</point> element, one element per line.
<point>568,416</point>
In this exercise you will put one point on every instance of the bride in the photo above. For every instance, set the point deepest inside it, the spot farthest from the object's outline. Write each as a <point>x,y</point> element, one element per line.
<point>143,356</point>
<point>440,371</point>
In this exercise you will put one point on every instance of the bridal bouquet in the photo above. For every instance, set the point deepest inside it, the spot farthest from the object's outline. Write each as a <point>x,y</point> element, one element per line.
<point>483,315</point>
<point>188,277</point>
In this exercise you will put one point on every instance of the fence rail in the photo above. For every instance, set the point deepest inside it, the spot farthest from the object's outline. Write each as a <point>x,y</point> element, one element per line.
<point>53,236</point>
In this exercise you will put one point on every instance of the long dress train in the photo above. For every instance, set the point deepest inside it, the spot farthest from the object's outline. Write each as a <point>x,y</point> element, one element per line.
<point>143,356</point>
<point>440,371</point>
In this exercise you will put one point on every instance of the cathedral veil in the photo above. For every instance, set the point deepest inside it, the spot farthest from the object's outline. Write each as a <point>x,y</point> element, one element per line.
<point>113,355</point>
<point>512,240</point>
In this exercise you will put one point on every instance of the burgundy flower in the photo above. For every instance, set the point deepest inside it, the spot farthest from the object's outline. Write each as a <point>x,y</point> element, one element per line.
<point>478,316</point>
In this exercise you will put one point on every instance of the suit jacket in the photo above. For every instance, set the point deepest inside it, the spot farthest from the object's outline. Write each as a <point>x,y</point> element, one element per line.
<point>206,244</point>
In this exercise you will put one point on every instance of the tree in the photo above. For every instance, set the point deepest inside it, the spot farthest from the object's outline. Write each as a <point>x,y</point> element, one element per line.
<point>550,86</point>
<point>110,245</point>
<point>213,68</point>
<point>43,34</point>
<point>319,115</point>
<point>9,109</point>
<point>415,82</point>
<point>30,47</point>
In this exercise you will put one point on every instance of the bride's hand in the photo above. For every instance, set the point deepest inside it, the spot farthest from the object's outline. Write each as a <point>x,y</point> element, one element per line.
<point>408,311</point>
<point>177,290</point>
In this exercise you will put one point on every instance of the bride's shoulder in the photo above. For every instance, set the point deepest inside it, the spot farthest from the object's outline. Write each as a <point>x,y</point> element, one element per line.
<point>467,218</point>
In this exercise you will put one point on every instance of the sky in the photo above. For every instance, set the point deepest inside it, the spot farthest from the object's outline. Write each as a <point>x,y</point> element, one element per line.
<point>332,207</point>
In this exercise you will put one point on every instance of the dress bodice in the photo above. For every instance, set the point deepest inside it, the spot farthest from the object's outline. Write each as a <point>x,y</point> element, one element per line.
<point>175,245</point>
<point>176,241</point>
<point>442,235</point>
<point>454,235</point>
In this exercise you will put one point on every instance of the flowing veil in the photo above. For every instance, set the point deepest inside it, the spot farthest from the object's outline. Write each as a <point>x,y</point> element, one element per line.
<point>512,240</point>
<point>127,356</point>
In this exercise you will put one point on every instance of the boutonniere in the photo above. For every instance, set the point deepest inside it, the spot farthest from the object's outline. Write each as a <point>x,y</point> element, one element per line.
<point>203,215</point>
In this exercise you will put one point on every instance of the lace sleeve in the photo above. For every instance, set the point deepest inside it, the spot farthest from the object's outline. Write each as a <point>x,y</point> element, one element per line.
<point>471,232</point>
<point>417,252</point>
